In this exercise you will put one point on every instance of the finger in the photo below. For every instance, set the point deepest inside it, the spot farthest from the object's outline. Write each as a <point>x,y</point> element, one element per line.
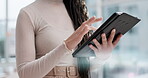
<point>97,20</point>
<point>117,40</point>
<point>82,26</point>
<point>93,48</point>
<point>97,43</point>
<point>111,37</point>
<point>87,29</point>
<point>84,31</point>
<point>104,40</point>
<point>91,20</point>
<point>93,28</point>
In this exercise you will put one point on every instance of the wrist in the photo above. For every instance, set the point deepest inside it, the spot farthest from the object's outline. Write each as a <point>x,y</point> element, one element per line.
<point>67,45</point>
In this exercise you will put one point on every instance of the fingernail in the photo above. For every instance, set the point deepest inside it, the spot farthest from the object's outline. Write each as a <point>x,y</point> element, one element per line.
<point>90,45</point>
<point>114,30</point>
<point>99,19</point>
<point>94,16</point>
<point>103,34</point>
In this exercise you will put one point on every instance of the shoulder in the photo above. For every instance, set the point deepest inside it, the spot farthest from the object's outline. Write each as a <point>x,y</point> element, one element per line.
<point>30,11</point>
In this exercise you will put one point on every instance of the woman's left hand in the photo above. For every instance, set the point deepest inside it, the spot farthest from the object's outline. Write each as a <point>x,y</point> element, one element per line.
<point>103,51</point>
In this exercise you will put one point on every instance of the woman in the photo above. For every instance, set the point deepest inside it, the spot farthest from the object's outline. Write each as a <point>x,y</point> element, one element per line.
<point>48,31</point>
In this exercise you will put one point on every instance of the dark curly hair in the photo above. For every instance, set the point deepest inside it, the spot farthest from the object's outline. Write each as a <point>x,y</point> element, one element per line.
<point>78,13</point>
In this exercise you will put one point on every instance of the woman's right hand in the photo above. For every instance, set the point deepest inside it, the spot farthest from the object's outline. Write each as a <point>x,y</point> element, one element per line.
<point>77,36</point>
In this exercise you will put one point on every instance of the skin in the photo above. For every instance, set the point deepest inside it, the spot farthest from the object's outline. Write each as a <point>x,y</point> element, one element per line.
<point>107,44</point>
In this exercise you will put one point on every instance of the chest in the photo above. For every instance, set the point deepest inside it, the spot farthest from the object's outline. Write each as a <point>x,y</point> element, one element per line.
<point>53,25</point>
<point>56,15</point>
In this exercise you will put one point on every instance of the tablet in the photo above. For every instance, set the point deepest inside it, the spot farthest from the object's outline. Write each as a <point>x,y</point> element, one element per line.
<point>122,22</point>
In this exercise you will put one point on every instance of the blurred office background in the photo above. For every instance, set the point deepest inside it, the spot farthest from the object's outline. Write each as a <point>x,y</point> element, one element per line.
<point>129,59</point>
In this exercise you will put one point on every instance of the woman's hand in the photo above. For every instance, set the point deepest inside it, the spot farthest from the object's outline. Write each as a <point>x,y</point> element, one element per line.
<point>103,51</point>
<point>77,36</point>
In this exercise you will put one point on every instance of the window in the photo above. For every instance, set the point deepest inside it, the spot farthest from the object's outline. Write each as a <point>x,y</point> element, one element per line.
<point>129,61</point>
<point>8,15</point>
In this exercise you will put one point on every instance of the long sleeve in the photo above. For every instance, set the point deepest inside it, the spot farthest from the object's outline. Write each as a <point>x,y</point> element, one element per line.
<point>27,64</point>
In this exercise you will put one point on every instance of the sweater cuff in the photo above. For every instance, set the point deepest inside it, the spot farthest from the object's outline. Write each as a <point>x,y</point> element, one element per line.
<point>68,51</point>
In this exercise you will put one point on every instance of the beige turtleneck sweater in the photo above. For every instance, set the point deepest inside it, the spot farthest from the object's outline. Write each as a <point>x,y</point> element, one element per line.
<point>41,28</point>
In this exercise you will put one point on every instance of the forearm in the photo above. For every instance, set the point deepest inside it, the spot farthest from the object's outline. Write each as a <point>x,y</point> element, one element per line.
<point>40,67</point>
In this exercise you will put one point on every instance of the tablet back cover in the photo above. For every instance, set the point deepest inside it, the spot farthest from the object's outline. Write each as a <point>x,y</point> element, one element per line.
<point>122,22</point>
